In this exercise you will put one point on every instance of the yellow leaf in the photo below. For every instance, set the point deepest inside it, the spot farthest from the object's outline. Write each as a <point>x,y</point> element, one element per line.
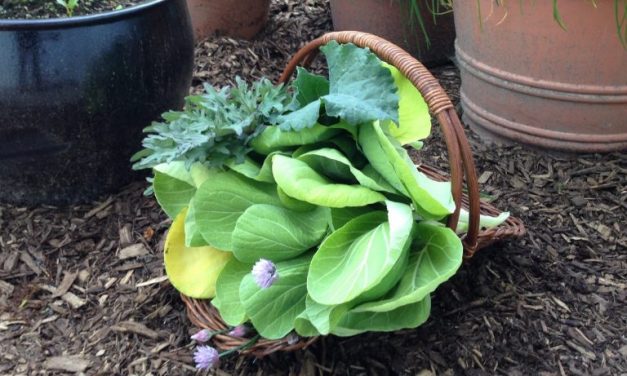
<point>413,112</point>
<point>192,270</point>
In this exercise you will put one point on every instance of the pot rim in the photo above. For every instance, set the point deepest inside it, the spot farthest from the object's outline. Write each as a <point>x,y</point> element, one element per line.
<point>86,20</point>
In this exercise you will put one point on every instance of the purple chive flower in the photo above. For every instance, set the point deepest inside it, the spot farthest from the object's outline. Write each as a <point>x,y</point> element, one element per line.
<point>239,331</point>
<point>206,357</point>
<point>202,336</point>
<point>265,273</point>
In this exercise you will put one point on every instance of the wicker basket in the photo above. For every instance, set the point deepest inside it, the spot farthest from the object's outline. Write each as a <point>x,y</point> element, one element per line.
<point>203,315</point>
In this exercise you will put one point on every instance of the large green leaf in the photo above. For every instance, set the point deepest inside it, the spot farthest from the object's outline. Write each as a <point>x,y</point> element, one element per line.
<point>274,310</point>
<point>358,256</point>
<point>275,139</point>
<point>389,281</point>
<point>174,185</point>
<point>405,317</point>
<point>304,327</point>
<point>345,143</point>
<point>309,87</point>
<point>193,177</point>
<point>176,170</point>
<point>336,166</point>
<point>302,118</point>
<point>222,199</point>
<point>276,233</point>
<point>361,89</point>
<point>373,150</point>
<point>341,216</point>
<point>173,195</point>
<point>227,292</point>
<point>413,113</point>
<point>436,255</point>
<point>432,199</point>
<point>301,182</point>
<point>292,203</point>
<point>253,170</point>
<point>324,317</point>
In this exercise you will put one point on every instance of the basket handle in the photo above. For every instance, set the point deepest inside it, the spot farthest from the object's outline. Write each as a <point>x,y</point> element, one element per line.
<point>460,155</point>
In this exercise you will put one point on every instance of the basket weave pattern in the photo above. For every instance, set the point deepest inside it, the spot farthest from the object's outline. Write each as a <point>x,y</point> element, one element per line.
<point>203,315</point>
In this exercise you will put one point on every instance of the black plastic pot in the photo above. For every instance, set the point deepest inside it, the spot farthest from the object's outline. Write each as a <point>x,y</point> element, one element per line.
<point>75,94</point>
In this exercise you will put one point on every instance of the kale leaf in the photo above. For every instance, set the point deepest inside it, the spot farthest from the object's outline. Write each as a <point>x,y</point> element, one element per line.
<point>214,128</point>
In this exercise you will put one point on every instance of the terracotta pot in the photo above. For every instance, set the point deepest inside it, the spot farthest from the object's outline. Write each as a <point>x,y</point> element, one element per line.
<point>236,18</point>
<point>391,20</point>
<point>525,79</point>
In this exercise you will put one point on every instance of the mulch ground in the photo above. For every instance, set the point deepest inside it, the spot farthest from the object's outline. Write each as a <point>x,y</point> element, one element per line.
<point>82,288</point>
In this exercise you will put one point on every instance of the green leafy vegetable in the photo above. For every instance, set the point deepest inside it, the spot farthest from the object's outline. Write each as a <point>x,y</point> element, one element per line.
<point>337,167</point>
<point>214,128</point>
<point>274,139</point>
<point>274,310</point>
<point>360,89</point>
<point>432,199</point>
<point>309,87</point>
<point>252,170</point>
<point>227,292</point>
<point>276,233</point>
<point>324,318</point>
<point>222,199</point>
<point>436,257</point>
<point>316,180</point>
<point>173,195</point>
<point>305,117</point>
<point>301,182</point>
<point>358,256</point>
<point>405,317</point>
<point>193,236</point>
<point>413,113</point>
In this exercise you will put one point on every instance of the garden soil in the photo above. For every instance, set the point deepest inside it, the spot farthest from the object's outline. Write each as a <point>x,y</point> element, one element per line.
<point>82,289</point>
<point>26,9</point>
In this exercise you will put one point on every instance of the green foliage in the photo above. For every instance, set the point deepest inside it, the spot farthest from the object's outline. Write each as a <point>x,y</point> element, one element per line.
<point>334,201</point>
<point>405,317</point>
<point>437,254</point>
<point>357,257</point>
<point>432,199</point>
<point>438,7</point>
<point>227,289</point>
<point>69,6</point>
<point>298,180</point>
<point>172,194</point>
<point>358,95</point>
<point>273,311</point>
<point>276,233</point>
<point>355,95</point>
<point>222,199</point>
<point>214,128</point>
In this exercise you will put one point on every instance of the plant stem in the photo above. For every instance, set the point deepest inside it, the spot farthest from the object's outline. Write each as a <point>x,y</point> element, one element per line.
<point>246,345</point>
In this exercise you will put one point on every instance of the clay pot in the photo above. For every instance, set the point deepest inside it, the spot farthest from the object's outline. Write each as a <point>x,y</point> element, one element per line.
<point>391,20</point>
<point>236,18</point>
<point>75,94</point>
<point>527,80</point>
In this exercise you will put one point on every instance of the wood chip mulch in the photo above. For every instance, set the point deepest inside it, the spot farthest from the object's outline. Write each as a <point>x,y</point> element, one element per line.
<point>82,289</point>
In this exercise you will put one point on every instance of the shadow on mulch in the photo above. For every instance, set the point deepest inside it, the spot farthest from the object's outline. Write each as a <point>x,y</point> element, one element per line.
<point>82,288</point>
